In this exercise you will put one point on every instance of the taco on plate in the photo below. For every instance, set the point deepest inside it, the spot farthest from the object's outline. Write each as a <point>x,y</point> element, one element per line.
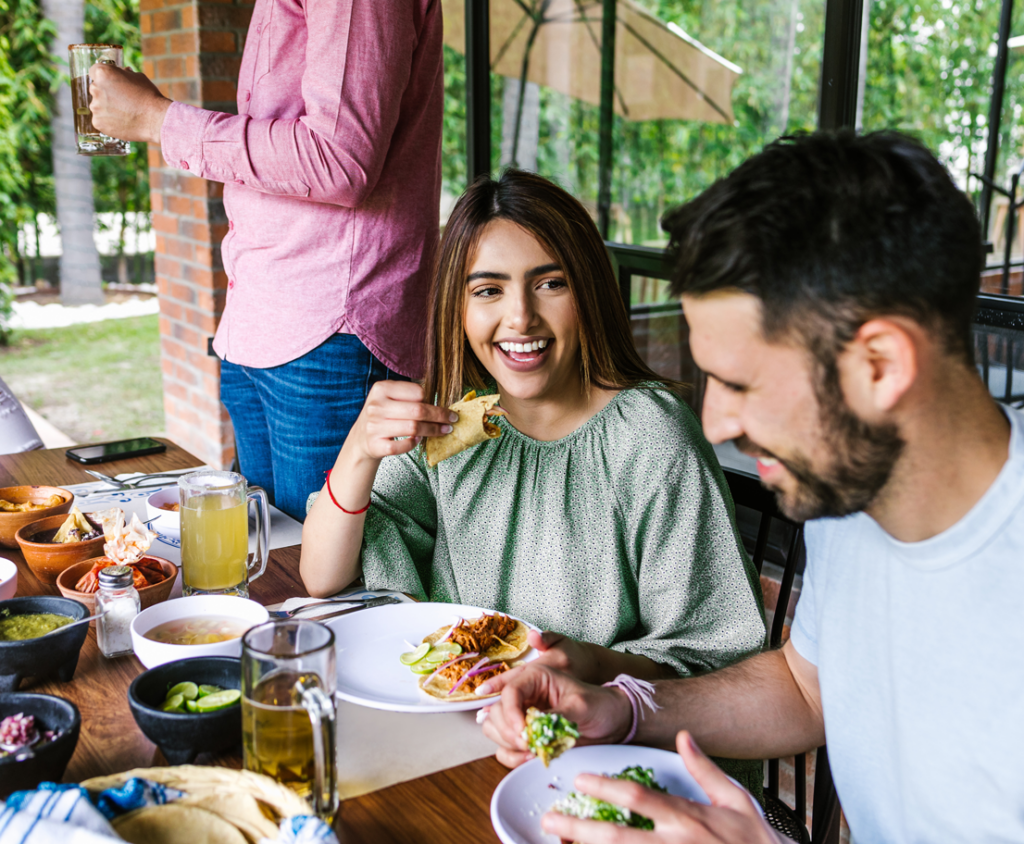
<point>459,678</point>
<point>494,635</point>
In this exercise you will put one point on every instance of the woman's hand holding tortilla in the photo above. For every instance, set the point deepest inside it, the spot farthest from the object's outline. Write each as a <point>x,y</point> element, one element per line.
<point>396,409</point>
<point>602,715</point>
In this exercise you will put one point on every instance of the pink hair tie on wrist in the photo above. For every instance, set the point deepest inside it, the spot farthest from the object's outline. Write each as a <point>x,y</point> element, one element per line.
<point>640,693</point>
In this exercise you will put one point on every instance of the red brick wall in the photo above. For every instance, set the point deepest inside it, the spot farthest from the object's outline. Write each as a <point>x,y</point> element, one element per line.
<point>192,51</point>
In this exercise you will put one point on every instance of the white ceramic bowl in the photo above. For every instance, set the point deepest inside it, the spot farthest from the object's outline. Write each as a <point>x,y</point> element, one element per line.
<point>152,653</point>
<point>8,579</point>
<point>169,521</point>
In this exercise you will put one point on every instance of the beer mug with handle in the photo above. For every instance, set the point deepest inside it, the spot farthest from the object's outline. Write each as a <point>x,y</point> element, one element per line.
<point>214,511</point>
<point>288,715</point>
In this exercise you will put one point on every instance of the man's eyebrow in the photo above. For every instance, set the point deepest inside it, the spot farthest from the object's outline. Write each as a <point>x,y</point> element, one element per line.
<point>488,274</point>
<point>541,270</point>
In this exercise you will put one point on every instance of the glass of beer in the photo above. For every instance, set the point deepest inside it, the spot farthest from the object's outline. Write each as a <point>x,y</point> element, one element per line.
<point>215,533</point>
<point>81,57</point>
<point>288,723</point>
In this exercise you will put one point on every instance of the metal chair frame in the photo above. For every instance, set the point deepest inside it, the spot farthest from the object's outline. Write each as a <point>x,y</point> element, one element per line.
<point>747,491</point>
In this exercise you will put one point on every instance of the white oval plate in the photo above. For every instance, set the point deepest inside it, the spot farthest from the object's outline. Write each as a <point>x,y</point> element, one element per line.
<point>530,790</point>
<point>369,644</point>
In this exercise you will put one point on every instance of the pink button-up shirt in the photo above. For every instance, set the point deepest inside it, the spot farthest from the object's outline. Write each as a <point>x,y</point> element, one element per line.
<point>332,178</point>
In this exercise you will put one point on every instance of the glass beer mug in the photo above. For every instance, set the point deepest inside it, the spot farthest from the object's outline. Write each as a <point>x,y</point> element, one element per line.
<point>215,533</point>
<point>81,57</point>
<point>288,716</point>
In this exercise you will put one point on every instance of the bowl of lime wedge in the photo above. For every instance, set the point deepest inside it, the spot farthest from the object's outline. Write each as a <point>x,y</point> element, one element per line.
<point>190,706</point>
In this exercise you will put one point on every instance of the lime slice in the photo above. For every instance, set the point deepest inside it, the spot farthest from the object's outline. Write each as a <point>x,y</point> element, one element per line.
<point>441,654</point>
<point>188,690</point>
<point>415,656</point>
<point>450,648</point>
<point>424,667</point>
<point>175,703</point>
<point>191,706</point>
<point>219,700</point>
<point>205,690</point>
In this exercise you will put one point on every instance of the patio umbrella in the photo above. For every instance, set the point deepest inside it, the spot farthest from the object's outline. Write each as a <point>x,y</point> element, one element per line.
<point>660,71</point>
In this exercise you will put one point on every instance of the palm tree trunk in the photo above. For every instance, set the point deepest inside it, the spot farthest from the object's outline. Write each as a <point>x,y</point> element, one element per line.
<point>72,173</point>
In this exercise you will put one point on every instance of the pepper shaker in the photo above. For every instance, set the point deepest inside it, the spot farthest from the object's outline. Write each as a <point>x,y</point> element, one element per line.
<point>118,600</point>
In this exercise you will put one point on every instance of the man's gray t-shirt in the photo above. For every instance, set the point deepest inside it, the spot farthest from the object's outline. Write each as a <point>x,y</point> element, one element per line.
<point>920,655</point>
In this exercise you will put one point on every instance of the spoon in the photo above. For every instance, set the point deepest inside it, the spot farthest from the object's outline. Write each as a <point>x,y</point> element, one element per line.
<point>67,626</point>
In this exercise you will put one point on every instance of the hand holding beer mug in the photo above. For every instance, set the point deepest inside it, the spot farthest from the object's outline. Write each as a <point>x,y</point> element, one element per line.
<point>215,533</point>
<point>81,58</point>
<point>288,724</point>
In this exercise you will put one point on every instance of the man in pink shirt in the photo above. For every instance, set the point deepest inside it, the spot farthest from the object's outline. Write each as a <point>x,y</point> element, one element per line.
<point>331,173</point>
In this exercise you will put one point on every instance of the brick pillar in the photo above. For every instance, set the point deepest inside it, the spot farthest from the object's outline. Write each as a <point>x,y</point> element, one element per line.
<point>192,51</point>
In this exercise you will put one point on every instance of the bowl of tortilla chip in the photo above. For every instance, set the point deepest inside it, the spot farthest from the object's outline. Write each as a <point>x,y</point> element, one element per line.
<point>45,551</point>
<point>181,736</point>
<point>22,505</point>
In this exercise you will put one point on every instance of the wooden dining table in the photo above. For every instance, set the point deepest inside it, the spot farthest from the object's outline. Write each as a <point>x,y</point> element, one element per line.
<point>450,806</point>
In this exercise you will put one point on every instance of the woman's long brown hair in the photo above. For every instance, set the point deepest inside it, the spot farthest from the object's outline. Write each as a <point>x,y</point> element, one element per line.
<point>608,358</point>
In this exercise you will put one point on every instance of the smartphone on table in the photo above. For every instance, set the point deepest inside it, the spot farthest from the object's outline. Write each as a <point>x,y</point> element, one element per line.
<point>120,450</point>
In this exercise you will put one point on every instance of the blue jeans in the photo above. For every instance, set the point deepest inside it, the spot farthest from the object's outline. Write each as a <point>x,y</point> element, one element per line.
<point>291,420</point>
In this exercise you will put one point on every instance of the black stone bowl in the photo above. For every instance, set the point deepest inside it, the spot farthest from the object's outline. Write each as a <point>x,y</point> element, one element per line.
<point>55,653</point>
<point>50,759</point>
<point>182,737</point>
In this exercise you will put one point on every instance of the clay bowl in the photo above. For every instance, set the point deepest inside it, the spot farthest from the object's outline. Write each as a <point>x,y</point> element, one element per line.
<point>48,560</point>
<point>183,736</point>
<point>148,595</point>
<point>55,653</point>
<point>48,760</point>
<point>11,522</point>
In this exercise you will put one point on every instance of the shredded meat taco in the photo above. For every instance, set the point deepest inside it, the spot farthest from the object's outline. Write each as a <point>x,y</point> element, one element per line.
<point>495,636</point>
<point>459,679</point>
<point>471,429</point>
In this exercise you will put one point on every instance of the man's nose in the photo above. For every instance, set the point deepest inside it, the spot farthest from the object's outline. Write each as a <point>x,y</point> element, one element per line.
<point>718,413</point>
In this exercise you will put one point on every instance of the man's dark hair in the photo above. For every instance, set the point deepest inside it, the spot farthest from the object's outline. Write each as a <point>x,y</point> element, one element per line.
<point>830,230</point>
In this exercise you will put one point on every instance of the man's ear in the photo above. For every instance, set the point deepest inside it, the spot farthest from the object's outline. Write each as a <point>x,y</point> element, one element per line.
<point>879,365</point>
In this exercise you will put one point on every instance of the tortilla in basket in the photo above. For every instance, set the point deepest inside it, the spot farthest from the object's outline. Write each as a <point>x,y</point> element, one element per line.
<point>511,644</point>
<point>471,429</point>
<point>174,824</point>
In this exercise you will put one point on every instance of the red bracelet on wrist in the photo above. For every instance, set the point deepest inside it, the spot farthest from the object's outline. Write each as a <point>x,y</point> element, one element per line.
<point>335,500</point>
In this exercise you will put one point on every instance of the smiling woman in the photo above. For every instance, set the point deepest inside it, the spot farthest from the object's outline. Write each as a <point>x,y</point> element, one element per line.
<point>599,513</point>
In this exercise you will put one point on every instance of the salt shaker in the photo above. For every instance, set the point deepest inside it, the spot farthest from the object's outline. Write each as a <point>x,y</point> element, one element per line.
<point>118,600</point>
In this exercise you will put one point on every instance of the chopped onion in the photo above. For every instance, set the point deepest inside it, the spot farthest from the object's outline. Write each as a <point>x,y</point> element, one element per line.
<point>451,630</point>
<point>450,662</point>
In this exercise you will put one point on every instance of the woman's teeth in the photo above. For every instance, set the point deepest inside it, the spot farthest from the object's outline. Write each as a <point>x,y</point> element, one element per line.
<point>536,345</point>
<point>767,461</point>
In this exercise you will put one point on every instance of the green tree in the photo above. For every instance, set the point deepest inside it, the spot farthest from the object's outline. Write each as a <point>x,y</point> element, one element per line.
<point>27,81</point>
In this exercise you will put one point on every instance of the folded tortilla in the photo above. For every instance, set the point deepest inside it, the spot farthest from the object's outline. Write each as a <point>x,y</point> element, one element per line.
<point>514,645</point>
<point>471,429</point>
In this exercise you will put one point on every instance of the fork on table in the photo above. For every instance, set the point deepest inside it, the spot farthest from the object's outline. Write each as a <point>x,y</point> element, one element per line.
<point>131,483</point>
<point>363,604</point>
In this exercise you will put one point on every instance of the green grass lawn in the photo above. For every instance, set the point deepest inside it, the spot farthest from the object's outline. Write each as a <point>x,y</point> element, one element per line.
<point>97,381</point>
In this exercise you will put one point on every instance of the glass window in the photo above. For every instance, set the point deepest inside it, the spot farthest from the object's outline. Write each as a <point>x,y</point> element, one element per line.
<point>929,73</point>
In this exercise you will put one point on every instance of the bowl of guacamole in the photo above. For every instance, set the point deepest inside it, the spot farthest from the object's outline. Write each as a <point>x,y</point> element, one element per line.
<point>23,649</point>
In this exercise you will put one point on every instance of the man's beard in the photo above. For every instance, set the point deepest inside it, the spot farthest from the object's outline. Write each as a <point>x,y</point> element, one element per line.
<point>863,457</point>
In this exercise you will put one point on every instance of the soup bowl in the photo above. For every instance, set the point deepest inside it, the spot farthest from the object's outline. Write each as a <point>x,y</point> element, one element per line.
<point>48,760</point>
<point>55,653</point>
<point>167,521</point>
<point>11,522</point>
<point>8,579</point>
<point>46,559</point>
<point>182,736</point>
<point>241,611</point>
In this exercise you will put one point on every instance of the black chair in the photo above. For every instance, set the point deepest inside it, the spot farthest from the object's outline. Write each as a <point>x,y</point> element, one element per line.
<point>747,492</point>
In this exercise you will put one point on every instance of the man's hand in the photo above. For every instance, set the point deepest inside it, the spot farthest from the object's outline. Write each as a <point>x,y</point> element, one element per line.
<point>602,715</point>
<point>125,104</point>
<point>565,654</point>
<point>731,817</point>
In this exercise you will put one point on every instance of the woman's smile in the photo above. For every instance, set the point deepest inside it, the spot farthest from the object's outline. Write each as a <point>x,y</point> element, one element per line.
<point>526,353</point>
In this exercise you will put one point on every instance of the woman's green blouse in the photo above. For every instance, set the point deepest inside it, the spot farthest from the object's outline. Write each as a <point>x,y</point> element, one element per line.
<point>621,534</point>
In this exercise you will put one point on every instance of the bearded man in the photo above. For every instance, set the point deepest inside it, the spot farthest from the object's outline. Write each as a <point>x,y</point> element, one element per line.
<point>830,286</point>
